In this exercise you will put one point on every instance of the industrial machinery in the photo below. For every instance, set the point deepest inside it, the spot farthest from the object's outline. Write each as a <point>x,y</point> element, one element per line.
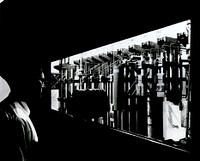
<point>128,88</point>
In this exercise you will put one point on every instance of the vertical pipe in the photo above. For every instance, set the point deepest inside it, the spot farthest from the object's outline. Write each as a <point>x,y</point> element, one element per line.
<point>133,104</point>
<point>129,106</point>
<point>61,86</point>
<point>149,121</point>
<point>80,77</point>
<point>65,84</point>
<point>125,98</point>
<point>190,49</point>
<point>72,83</point>
<point>111,89</point>
<point>180,75</point>
<point>66,78</point>
<point>188,121</point>
<point>129,121</point>
<point>115,94</point>
<point>168,70</point>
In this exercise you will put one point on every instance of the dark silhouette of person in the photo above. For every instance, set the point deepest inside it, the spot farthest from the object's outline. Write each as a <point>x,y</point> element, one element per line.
<point>19,94</point>
<point>18,135</point>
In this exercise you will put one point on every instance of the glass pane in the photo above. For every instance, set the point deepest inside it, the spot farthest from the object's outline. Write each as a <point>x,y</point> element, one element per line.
<point>146,81</point>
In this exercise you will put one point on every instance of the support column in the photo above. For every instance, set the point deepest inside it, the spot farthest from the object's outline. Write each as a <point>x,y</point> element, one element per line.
<point>117,100</point>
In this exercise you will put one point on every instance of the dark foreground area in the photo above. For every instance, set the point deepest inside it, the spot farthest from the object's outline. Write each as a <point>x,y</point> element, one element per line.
<point>62,137</point>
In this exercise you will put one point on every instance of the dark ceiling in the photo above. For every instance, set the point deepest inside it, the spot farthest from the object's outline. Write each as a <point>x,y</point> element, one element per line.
<point>47,31</point>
